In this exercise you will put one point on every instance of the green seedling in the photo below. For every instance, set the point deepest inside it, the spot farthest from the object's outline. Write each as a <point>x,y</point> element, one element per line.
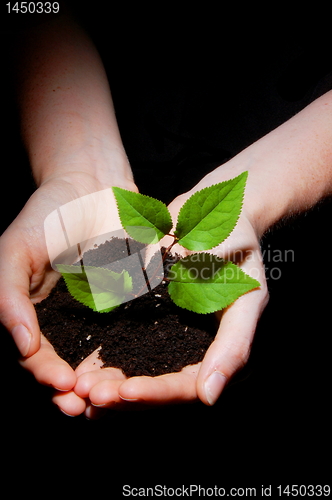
<point>201,282</point>
<point>100,289</point>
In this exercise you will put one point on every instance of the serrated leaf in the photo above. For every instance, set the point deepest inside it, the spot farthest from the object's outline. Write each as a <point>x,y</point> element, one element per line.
<point>204,283</point>
<point>100,289</point>
<point>145,219</point>
<point>209,216</point>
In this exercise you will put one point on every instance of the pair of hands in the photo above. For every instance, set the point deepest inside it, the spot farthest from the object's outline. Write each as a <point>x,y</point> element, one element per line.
<point>27,278</point>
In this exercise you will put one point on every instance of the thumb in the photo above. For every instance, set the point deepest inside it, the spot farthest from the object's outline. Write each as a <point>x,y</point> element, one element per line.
<point>17,312</point>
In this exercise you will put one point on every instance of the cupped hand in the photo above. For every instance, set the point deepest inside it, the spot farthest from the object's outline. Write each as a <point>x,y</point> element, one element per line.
<point>227,354</point>
<point>27,275</point>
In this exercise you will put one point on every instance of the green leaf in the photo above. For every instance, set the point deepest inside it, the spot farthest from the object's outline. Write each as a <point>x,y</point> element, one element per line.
<point>98,288</point>
<point>144,218</point>
<point>209,216</point>
<point>204,283</point>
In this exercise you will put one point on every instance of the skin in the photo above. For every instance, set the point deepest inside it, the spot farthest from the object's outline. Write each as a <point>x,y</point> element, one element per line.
<point>74,146</point>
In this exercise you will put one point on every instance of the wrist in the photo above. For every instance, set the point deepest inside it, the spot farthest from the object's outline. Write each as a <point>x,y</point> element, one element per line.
<point>101,168</point>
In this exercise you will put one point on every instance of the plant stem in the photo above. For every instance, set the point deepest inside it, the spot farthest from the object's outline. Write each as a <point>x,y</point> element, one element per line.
<point>168,249</point>
<point>80,256</point>
<point>128,247</point>
<point>156,270</point>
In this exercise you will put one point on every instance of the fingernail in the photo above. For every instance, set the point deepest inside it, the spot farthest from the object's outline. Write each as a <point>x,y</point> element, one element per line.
<point>67,414</point>
<point>128,399</point>
<point>22,338</point>
<point>214,386</point>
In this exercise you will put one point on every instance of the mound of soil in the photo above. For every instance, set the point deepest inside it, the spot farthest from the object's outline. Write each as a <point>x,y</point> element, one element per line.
<point>149,335</point>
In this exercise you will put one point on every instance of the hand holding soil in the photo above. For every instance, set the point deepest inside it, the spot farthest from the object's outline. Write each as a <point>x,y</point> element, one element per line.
<point>110,388</point>
<point>27,277</point>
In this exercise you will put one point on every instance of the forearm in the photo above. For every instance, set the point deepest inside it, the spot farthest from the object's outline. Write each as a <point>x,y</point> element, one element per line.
<point>290,169</point>
<point>67,114</point>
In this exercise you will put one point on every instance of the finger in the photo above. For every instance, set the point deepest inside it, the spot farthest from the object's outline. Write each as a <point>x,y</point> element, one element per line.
<point>89,373</point>
<point>170,388</point>
<point>98,385</point>
<point>230,350</point>
<point>88,380</point>
<point>49,369</point>
<point>17,313</point>
<point>91,363</point>
<point>105,394</point>
<point>69,403</point>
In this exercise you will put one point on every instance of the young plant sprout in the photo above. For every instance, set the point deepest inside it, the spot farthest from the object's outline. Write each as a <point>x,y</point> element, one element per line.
<point>200,282</point>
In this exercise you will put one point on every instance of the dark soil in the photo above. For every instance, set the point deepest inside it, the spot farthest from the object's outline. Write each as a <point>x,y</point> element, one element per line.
<point>149,335</point>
